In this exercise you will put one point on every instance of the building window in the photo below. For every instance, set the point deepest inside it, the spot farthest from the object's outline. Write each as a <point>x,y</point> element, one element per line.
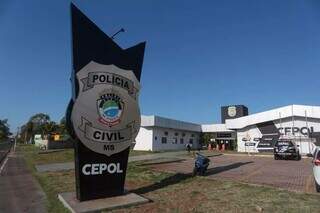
<point>155,138</point>
<point>165,133</point>
<point>163,140</point>
<point>192,135</point>
<point>176,134</point>
<point>183,134</point>
<point>191,140</point>
<point>175,140</point>
<point>224,135</point>
<point>181,141</point>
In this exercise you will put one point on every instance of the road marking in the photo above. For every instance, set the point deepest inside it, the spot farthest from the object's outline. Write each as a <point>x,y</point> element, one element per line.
<point>4,163</point>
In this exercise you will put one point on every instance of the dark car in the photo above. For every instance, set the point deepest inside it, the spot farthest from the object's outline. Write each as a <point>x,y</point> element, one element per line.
<point>286,149</point>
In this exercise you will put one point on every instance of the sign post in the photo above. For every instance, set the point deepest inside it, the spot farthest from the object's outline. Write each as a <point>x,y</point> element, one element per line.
<point>103,115</point>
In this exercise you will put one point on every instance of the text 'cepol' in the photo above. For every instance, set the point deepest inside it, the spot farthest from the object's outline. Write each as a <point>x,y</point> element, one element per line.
<point>98,169</point>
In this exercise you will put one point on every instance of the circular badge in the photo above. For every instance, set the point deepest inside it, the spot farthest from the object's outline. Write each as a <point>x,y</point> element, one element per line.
<point>106,114</point>
<point>232,111</point>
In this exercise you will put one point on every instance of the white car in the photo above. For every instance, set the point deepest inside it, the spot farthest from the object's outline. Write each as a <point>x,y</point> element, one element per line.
<point>316,168</point>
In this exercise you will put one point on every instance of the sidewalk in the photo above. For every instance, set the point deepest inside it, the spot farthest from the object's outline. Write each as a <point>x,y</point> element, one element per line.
<point>19,191</point>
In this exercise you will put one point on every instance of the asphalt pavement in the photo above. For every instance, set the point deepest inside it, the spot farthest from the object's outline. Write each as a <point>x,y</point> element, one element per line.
<point>19,191</point>
<point>4,149</point>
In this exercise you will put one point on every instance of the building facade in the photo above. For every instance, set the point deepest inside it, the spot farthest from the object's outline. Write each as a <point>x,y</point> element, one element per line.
<point>257,132</point>
<point>158,133</point>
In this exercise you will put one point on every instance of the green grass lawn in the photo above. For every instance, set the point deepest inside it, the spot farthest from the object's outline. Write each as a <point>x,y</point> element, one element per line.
<point>177,192</point>
<point>59,156</point>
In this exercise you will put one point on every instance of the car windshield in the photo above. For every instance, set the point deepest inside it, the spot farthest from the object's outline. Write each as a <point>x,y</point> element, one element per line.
<point>318,155</point>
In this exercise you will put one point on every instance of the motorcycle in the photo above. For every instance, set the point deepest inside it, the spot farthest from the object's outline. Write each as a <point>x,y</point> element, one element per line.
<point>200,165</point>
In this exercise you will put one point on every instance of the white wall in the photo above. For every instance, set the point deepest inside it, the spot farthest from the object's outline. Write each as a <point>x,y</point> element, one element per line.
<point>252,132</point>
<point>158,133</point>
<point>144,139</point>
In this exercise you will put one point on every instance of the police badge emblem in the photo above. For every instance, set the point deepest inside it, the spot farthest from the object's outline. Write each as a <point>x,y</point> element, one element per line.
<point>232,111</point>
<point>110,107</point>
<point>106,114</point>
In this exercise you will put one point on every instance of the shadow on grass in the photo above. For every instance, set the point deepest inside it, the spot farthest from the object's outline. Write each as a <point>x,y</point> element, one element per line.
<point>219,169</point>
<point>174,179</point>
<point>161,162</point>
<point>214,155</point>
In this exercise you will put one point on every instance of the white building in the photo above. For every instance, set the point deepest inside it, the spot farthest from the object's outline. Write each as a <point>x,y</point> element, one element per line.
<point>256,132</point>
<point>158,133</point>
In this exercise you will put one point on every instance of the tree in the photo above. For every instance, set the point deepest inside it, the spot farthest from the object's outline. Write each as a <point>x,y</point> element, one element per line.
<point>62,126</point>
<point>40,123</point>
<point>49,127</point>
<point>39,120</point>
<point>205,138</point>
<point>26,132</point>
<point>4,129</point>
<point>37,124</point>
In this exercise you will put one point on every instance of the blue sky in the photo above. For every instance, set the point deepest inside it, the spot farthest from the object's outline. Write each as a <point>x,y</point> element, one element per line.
<point>199,55</point>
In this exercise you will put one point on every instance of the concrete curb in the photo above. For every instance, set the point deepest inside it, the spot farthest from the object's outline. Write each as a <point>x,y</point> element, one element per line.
<point>69,201</point>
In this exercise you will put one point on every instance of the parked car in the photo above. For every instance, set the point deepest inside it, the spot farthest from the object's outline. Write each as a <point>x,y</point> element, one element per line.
<point>316,168</point>
<point>285,149</point>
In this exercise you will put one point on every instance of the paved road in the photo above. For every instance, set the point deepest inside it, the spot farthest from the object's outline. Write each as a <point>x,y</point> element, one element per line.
<point>286,174</point>
<point>4,149</point>
<point>19,191</point>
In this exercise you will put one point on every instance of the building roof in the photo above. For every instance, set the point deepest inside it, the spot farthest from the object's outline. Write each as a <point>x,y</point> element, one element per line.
<point>236,123</point>
<point>274,114</point>
<point>215,128</point>
<point>157,121</point>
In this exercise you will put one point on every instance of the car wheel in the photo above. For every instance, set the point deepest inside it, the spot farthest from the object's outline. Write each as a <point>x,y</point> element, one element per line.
<point>298,157</point>
<point>317,187</point>
<point>276,157</point>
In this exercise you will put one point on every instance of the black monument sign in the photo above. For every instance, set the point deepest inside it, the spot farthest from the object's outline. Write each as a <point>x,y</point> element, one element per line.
<point>103,115</point>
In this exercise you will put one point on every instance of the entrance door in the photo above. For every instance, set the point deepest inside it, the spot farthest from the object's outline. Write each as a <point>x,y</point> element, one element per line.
<point>224,144</point>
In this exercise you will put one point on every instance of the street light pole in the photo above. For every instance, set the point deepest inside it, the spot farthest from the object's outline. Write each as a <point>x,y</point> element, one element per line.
<point>119,31</point>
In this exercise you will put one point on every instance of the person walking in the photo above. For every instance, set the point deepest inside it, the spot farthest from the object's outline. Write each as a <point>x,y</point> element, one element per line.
<point>188,147</point>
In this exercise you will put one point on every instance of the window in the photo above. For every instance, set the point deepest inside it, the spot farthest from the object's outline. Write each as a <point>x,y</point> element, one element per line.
<point>181,141</point>
<point>165,133</point>
<point>175,140</point>
<point>163,140</point>
<point>183,134</point>
<point>176,134</point>
<point>224,135</point>
<point>155,138</point>
<point>192,135</point>
<point>191,140</point>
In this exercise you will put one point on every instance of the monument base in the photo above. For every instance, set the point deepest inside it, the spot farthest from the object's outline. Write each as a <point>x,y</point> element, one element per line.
<point>70,201</point>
